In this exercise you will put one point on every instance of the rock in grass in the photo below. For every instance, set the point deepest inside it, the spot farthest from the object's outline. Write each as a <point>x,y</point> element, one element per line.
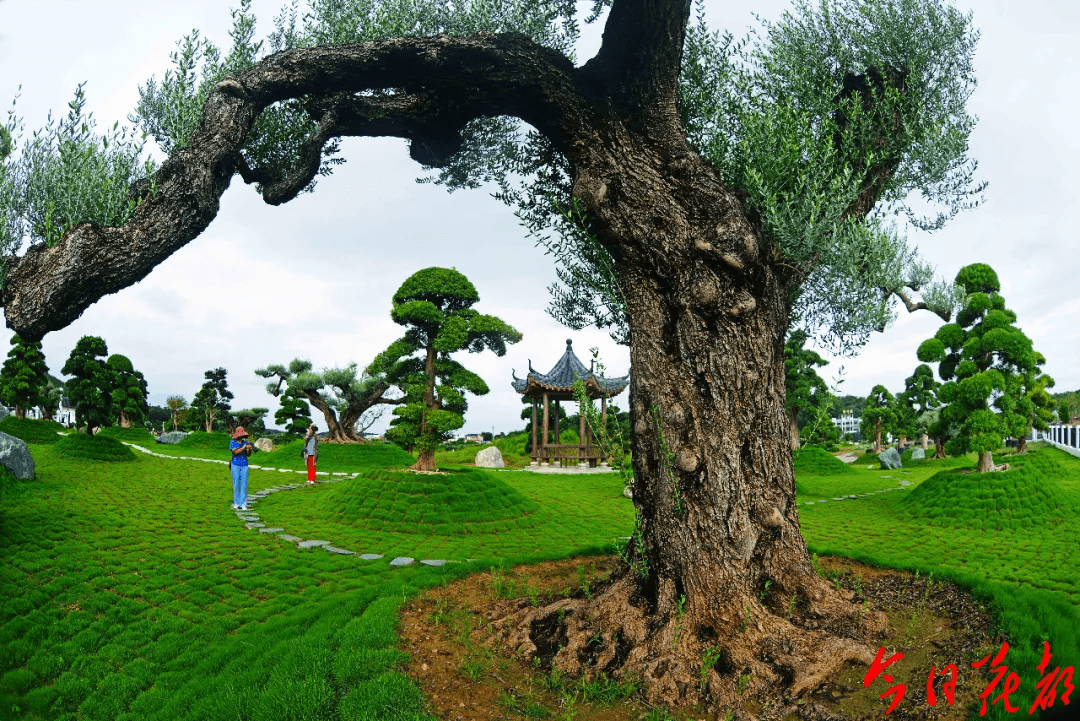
<point>918,454</point>
<point>172,437</point>
<point>15,457</point>
<point>489,458</point>
<point>402,561</point>
<point>264,444</point>
<point>890,459</point>
<point>370,556</point>
<point>311,544</point>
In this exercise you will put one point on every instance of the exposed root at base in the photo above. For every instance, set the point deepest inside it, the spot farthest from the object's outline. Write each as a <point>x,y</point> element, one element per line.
<point>702,655</point>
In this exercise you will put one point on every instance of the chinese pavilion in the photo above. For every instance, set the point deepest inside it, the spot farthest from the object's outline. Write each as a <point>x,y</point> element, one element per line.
<point>558,385</point>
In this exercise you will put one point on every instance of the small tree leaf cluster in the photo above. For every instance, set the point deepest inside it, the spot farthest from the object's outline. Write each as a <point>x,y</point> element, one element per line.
<point>435,306</point>
<point>989,369</point>
<point>24,378</point>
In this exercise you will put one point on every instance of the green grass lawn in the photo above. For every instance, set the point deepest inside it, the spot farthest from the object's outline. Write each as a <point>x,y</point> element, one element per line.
<point>131,591</point>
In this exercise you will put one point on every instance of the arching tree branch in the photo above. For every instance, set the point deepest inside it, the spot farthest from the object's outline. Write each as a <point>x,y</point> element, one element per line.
<point>944,313</point>
<point>452,79</point>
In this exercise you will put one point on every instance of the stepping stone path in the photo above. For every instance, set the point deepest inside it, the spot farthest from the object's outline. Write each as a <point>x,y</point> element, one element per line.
<point>252,520</point>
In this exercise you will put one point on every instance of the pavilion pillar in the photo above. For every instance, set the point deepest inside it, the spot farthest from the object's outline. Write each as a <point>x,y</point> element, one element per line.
<point>535,450</point>
<point>558,430</point>
<point>543,457</point>
<point>603,421</point>
<point>582,458</point>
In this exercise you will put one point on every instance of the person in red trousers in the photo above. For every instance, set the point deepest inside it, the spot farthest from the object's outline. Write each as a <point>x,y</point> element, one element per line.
<point>311,452</point>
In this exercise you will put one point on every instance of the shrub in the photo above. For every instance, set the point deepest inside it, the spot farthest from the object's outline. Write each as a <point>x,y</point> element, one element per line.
<point>30,430</point>
<point>94,448</point>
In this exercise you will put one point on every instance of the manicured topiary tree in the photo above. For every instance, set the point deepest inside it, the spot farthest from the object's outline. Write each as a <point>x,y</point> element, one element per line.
<point>919,397</point>
<point>435,306</point>
<point>879,415</point>
<point>127,394</point>
<point>294,413</point>
<point>212,401</point>
<point>24,378</point>
<point>91,385</point>
<point>983,352</point>
<point>804,387</point>
<point>1034,407</point>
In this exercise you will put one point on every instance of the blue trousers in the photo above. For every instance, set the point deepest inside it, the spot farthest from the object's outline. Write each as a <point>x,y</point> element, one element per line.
<point>239,484</point>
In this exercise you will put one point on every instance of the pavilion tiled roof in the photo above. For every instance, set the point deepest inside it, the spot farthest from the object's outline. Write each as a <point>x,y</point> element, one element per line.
<point>562,376</point>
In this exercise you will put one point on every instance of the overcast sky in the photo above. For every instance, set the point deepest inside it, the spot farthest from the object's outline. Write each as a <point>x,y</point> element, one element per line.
<point>313,278</point>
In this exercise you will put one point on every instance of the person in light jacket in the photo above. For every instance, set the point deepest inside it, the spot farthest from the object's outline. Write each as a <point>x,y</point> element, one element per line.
<point>311,452</point>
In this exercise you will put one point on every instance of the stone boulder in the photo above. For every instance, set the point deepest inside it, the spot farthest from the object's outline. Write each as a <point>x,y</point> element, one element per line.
<point>890,459</point>
<point>489,458</point>
<point>918,454</point>
<point>15,456</point>
<point>3,412</point>
<point>628,493</point>
<point>264,444</point>
<point>172,437</point>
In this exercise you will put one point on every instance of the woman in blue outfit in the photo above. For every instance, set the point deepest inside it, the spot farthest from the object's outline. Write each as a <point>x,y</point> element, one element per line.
<point>240,449</point>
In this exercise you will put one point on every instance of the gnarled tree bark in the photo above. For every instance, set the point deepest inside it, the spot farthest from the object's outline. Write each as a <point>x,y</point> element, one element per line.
<point>708,300</point>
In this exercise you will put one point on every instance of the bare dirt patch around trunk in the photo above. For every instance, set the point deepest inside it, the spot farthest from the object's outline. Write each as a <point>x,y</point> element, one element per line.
<point>460,662</point>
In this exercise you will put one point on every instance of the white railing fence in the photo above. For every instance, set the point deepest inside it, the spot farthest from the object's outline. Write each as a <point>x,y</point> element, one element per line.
<point>1065,437</point>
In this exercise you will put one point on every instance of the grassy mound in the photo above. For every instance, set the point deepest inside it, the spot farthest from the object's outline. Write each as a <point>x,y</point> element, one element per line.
<point>338,456</point>
<point>455,503</point>
<point>1025,496</point>
<point>93,448</point>
<point>210,441</point>
<point>131,435</point>
<point>819,462</point>
<point>30,430</point>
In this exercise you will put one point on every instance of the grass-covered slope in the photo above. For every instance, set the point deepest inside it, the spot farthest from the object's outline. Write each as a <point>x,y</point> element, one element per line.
<point>217,441</point>
<point>458,502</point>
<point>1024,496</point>
<point>140,436</point>
<point>93,448</point>
<point>30,430</point>
<point>820,462</point>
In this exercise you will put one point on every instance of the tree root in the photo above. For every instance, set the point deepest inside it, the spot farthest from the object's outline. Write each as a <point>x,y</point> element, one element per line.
<point>753,652</point>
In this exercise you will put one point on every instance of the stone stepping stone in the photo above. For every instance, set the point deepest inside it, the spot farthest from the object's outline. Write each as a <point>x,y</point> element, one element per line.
<point>322,473</point>
<point>370,556</point>
<point>252,465</point>
<point>809,503</point>
<point>838,499</point>
<point>287,537</point>
<point>339,551</point>
<point>354,475</point>
<point>340,474</point>
<point>886,476</point>
<point>249,518</point>
<point>402,561</point>
<point>255,525</point>
<point>283,470</point>
<point>271,530</point>
<point>436,562</point>
<point>312,544</point>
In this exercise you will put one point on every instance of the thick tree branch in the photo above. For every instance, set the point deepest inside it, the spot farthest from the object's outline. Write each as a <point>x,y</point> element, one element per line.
<point>460,78</point>
<point>638,64</point>
<point>912,306</point>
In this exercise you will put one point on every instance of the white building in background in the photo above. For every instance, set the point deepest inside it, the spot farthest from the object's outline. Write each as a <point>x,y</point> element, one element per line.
<point>847,423</point>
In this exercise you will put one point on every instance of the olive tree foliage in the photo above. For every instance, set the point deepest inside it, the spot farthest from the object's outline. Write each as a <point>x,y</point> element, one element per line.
<point>984,360</point>
<point>66,174</point>
<point>170,110</point>
<point>762,106</point>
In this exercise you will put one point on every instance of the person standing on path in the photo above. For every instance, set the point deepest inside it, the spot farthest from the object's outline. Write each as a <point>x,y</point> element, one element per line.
<point>311,452</point>
<point>240,449</point>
